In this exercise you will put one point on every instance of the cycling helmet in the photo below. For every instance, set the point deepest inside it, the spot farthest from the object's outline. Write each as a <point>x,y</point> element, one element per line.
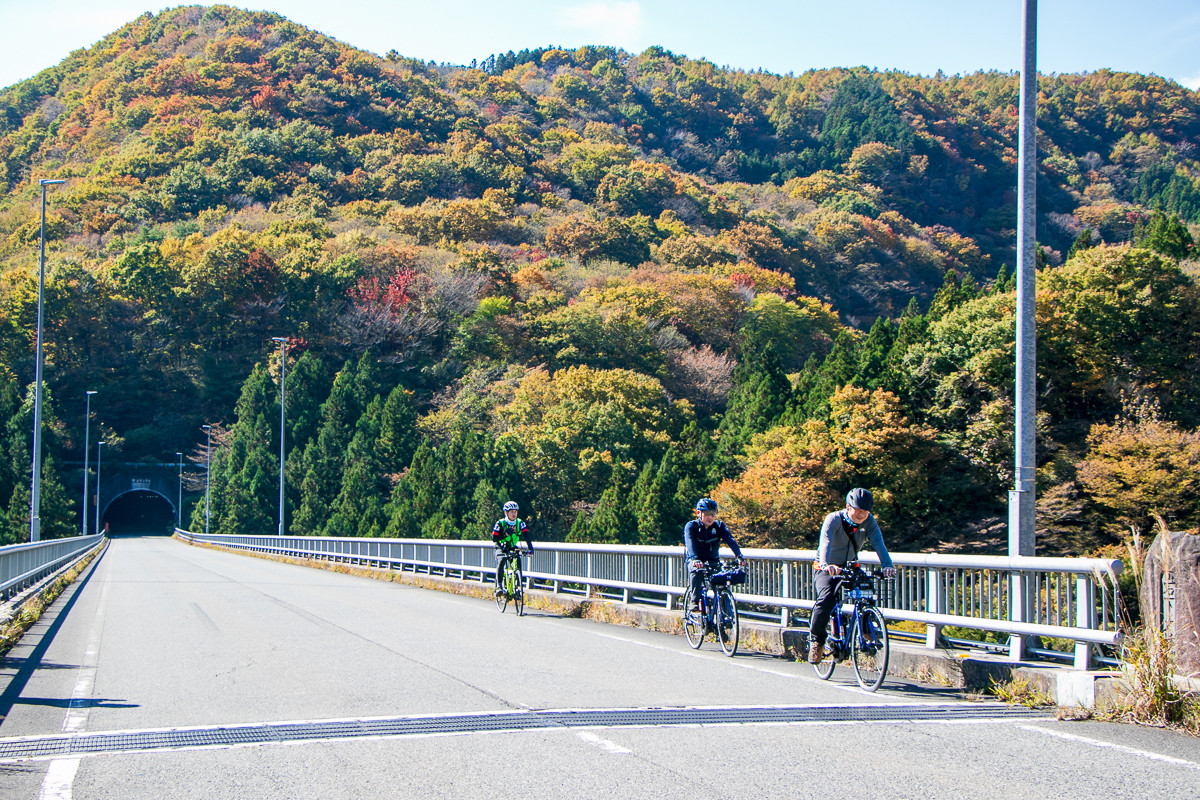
<point>509,506</point>
<point>860,498</point>
<point>706,504</point>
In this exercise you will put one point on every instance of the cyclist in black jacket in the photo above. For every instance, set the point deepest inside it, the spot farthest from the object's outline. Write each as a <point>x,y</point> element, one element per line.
<point>702,538</point>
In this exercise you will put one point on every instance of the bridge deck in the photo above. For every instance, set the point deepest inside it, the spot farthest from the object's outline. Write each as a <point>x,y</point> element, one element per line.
<point>178,671</point>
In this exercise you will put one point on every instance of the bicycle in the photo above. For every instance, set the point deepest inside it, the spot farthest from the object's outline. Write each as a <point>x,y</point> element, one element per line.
<point>860,635</point>
<point>510,581</point>
<point>717,609</point>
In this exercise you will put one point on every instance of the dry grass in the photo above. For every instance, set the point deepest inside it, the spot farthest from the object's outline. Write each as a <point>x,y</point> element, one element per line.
<point>33,608</point>
<point>1019,691</point>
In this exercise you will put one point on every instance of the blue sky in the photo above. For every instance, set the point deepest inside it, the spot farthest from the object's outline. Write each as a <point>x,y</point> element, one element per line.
<point>919,36</point>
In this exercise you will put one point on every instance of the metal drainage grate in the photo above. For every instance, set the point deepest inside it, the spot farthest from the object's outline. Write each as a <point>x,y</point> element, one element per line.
<point>86,744</point>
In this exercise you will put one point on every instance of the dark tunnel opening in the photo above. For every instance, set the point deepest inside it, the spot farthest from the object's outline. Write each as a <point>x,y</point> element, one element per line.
<point>139,513</point>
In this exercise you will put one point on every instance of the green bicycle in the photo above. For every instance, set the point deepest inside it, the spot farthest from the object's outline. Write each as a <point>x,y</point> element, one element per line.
<point>510,580</point>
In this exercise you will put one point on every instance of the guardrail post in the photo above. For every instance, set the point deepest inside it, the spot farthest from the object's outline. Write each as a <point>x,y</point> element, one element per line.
<point>625,595</point>
<point>785,591</point>
<point>934,604</point>
<point>587,591</point>
<point>1016,613</point>
<point>1085,617</point>
<point>557,573</point>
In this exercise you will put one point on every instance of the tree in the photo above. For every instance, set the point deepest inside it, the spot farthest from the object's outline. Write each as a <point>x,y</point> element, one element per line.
<point>611,522</point>
<point>1141,466</point>
<point>758,399</point>
<point>798,474</point>
<point>324,458</point>
<point>358,508</point>
<point>1165,235</point>
<point>250,464</point>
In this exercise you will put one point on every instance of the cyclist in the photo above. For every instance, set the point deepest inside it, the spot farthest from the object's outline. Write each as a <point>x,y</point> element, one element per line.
<point>507,534</point>
<point>842,534</point>
<point>702,539</point>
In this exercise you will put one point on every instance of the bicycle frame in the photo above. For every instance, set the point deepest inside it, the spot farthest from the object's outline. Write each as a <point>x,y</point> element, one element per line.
<point>510,582</point>
<point>711,618</point>
<point>859,634</point>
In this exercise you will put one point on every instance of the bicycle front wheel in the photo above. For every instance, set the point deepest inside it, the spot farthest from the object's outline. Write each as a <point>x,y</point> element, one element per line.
<point>869,649</point>
<point>519,592</point>
<point>727,621</point>
<point>693,621</point>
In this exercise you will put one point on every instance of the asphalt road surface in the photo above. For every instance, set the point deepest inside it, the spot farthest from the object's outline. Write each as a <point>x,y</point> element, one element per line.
<point>171,671</point>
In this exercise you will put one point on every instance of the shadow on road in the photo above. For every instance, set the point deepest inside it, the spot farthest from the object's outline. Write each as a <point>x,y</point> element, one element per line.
<point>59,702</point>
<point>28,665</point>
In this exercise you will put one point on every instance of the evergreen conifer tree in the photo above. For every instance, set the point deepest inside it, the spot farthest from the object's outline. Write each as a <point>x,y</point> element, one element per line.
<point>397,431</point>
<point>872,355</point>
<point>358,508</point>
<point>250,464</point>
<point>611,522</point>
<point>324,457</point>
<point>580,532</point>
<point>760,397</point>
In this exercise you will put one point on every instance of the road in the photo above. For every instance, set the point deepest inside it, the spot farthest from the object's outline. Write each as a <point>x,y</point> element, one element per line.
<point>183,672</point>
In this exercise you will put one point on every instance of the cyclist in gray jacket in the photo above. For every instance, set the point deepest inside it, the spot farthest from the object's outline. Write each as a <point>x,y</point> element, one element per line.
<point>842,535</point>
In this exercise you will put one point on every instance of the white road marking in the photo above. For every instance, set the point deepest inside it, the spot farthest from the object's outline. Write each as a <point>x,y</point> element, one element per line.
<point>60,775</point>
<point>1072,737</point>
<point>603,744</point>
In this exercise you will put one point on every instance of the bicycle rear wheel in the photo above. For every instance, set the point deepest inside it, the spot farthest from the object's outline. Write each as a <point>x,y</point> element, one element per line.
<point>824,667</point>
<point>869,649</point>
<point>502,586</point>
<point>693,621</point>
<point>727,621</point>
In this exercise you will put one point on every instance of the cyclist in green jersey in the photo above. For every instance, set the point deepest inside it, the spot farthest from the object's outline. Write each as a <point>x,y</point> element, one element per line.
<point>508,532</point>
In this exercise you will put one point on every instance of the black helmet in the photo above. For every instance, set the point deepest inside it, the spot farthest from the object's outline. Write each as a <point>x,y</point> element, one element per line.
<point>706,504</point>
<point>860,498</point>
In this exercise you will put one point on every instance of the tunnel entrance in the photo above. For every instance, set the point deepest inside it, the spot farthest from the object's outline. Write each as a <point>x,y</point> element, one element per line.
<point>139,513</point>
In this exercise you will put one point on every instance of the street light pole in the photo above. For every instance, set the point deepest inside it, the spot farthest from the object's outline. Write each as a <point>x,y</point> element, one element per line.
<point>87,423</point>
<point>1021,509</point>
<point>98,452</point>
<point>179,499</point>
<point>35,499</point>
<point>282,397</point>
<point>207,467</point>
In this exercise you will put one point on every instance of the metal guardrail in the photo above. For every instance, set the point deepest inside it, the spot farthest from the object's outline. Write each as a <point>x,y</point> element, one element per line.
<point>22,565</point>
<point>1073,599</point>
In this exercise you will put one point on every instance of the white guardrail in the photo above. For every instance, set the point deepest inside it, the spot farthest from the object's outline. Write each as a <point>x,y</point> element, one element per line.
<point>22,565</point>
<point>1073,599</point>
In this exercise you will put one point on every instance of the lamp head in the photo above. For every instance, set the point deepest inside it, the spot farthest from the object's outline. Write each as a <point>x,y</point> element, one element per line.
<point>46,182</point>
<point>89,392</point>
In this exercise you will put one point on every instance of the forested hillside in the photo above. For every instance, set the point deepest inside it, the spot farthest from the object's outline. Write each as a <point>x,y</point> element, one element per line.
<point>599,283</point>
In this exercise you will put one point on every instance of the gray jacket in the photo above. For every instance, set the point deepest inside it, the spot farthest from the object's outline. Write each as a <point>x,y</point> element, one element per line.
<point>841,540</point>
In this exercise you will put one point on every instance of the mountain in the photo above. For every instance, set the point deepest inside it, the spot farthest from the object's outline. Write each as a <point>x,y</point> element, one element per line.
<point>233,176</point>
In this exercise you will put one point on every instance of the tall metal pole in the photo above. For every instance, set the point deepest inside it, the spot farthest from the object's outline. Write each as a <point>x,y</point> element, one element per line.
<point>207,469</point>
<point>1022,499</point>
<point>282,396</point>
<point>35,493</point>
<point>98,452</point>
<point>1021,536</point>
<point>87,423</point>
<point>179,499</point>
